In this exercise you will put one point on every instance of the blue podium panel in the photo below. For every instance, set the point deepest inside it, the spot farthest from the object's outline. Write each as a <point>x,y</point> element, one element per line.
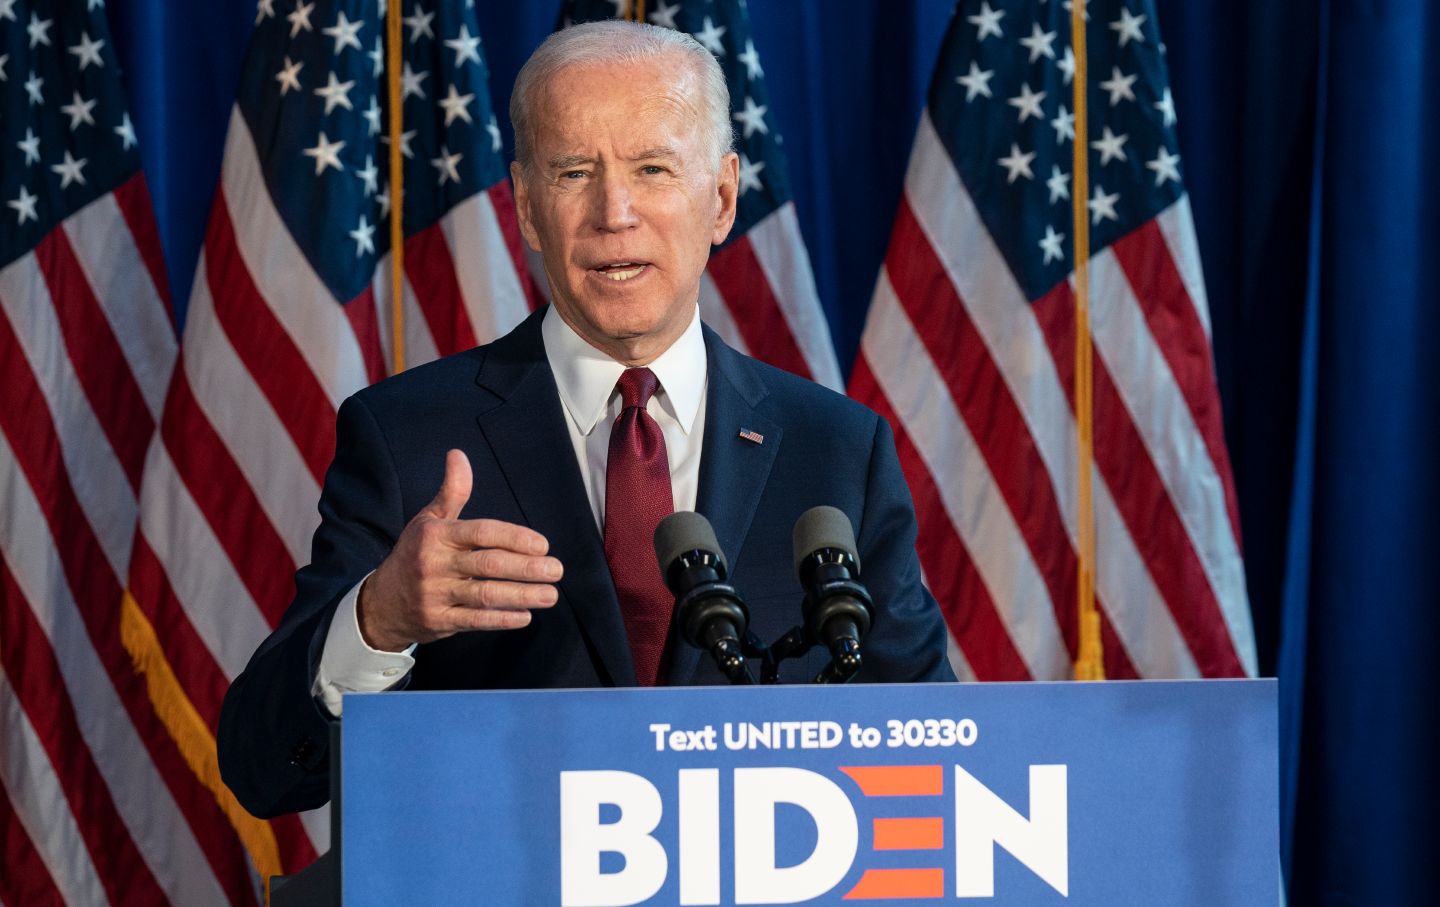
<point>1154,793</point>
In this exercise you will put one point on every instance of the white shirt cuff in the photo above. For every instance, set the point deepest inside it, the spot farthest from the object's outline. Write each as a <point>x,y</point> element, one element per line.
<point>348,664</point>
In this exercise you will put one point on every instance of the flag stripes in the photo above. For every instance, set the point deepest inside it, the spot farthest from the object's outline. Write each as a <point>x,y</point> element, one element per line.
<point>977,381</point>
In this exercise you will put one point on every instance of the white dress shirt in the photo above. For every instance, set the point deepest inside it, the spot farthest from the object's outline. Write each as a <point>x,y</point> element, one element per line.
<point>585,378</point>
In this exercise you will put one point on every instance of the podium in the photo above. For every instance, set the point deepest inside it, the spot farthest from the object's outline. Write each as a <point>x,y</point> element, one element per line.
<point>1148,792</point>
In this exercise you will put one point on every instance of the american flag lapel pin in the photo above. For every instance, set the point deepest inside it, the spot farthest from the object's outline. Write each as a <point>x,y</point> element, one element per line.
<point>754,437</point>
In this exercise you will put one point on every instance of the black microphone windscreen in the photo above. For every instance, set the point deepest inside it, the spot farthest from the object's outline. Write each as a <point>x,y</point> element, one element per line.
<point>823,527</point>
<point>682,531</point>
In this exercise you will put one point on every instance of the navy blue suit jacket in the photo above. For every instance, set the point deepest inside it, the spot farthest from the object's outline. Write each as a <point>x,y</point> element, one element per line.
<point>499,404</point>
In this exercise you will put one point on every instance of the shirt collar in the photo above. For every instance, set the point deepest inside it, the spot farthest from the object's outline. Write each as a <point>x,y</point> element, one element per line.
<point>586,377</point>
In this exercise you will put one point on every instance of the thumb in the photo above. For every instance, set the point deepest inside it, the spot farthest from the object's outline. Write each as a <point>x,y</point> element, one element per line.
<point>455,489</point>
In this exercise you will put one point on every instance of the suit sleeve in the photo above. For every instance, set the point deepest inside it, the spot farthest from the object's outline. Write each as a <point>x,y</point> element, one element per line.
<point>273,738</point>
<point>907,641</point>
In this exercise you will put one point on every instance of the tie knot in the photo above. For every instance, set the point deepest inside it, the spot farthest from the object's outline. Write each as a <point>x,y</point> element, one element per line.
<point>637,386</point>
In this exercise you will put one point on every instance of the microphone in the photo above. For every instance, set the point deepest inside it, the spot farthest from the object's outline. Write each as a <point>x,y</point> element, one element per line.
<point>838,610</point>
<point>708,612</point>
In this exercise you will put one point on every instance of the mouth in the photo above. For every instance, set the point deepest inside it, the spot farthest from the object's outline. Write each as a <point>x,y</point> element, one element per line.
<point>620,271</point>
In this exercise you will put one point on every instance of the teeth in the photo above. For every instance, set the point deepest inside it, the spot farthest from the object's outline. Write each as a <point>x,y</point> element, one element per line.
<point>625,274</point>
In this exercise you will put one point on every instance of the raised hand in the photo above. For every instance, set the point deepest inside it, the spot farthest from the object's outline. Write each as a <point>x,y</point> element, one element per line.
<point>446,575</point>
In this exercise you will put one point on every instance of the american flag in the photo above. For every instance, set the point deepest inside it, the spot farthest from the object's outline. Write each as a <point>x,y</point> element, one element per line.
<point>96,803</point>
<point>758,291</point>
<point>289,314</point>
<point>968,349</point>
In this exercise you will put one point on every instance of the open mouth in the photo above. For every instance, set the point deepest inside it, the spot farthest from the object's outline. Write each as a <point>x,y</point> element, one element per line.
<point>620,271</point>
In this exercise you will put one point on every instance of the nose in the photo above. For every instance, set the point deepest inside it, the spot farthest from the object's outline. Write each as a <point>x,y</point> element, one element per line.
<point>614,204</point>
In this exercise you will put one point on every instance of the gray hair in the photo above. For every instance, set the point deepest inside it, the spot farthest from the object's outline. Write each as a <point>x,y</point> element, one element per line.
<point>619,41</point>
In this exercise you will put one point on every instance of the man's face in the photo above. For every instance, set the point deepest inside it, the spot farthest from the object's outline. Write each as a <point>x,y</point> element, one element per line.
<point>623,201</point>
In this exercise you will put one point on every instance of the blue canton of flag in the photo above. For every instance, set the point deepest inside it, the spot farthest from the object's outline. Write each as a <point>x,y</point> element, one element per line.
<point>1002,104</point>
<point>65,135</point>
<point>759,291</point>
<point>314,95</point>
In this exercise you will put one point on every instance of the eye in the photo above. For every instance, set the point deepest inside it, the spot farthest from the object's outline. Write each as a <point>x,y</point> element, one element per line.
<point>572,174</point>
<point>652,170</point>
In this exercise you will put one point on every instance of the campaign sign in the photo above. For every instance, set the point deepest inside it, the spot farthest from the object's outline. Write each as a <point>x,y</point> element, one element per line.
<point>1153,793</point>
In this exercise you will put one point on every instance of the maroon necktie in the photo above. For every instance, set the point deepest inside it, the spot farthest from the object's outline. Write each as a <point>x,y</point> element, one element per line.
<point>637,498</point>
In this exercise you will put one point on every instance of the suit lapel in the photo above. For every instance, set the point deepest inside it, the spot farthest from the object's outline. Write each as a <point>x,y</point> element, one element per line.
<point>525,428</point>
<point>733,469</point>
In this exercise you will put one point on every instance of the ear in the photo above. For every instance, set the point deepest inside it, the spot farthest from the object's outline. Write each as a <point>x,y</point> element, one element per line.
<point>522,206</point>
<point>727,187</point>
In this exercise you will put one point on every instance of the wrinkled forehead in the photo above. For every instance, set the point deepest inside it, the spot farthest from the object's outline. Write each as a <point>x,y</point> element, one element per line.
<point>634,102</point>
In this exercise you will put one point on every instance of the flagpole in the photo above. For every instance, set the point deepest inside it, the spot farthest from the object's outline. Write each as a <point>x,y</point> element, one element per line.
<point>397,187</point>
<point>1089,660</point>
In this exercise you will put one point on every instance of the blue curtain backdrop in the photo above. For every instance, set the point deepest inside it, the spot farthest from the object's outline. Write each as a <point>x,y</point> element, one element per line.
<point>1309,133</point>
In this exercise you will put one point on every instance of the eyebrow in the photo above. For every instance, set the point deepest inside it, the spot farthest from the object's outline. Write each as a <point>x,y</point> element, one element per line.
<point>566,161</point>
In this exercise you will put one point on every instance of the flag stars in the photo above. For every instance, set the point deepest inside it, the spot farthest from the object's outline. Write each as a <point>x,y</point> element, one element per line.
<point>1066,65</point>
<point>335,93</point>
<point>1110,146</point>
<point>405,138</point>
<point>1164,166</point>
<point>326,154</point>
<point>493,128</point>
<point>466,47</point>
<point>88,51</point>
<point>410,82</point>
<point>384,200</point>
<point>126,131</point>
<point>1119,86</point>
<point>289,76</point>
<point>445,166</point>
<point>1166,106</point>
<point>265,9</point>
<point>752,118</point>
<point>751,59</point>
<point>986,22</point>
<point>663,15</point>
<point>372,116</point>
<point>710,36</point>
<point>39,30</point>
<point>454,105</point>
<point>1064,126</point>
<point>750,175</point>
<point>419,25</point>
<point>345,32</point>
<point>976,82</point>
<point>32,88</point>
<point>1050,245</point>
<point>377,57</point>
<point>364,236</point>
<point>299,19</point>
<point>1058,184</point>
<point>1017,164</point>
<point>1102,205</point>
<point>7,10</point>
<point>79,111</point>
<point>368,175</point>
<point>30,146</point>
<point>1128,27</point>
<point>1027,103</point>
<point>4,58</point>
<point>1040,43</point>
<point>69,170</point>
<point>24,206</point>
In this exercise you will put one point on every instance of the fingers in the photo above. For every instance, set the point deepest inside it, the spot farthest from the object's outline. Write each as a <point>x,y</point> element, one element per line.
<point>497,534</point>
<point>501,595</point>
<point>496,563</point>
<point>454,488</point>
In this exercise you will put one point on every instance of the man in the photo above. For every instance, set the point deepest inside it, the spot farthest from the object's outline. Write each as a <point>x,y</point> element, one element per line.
<point>558,448</point>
